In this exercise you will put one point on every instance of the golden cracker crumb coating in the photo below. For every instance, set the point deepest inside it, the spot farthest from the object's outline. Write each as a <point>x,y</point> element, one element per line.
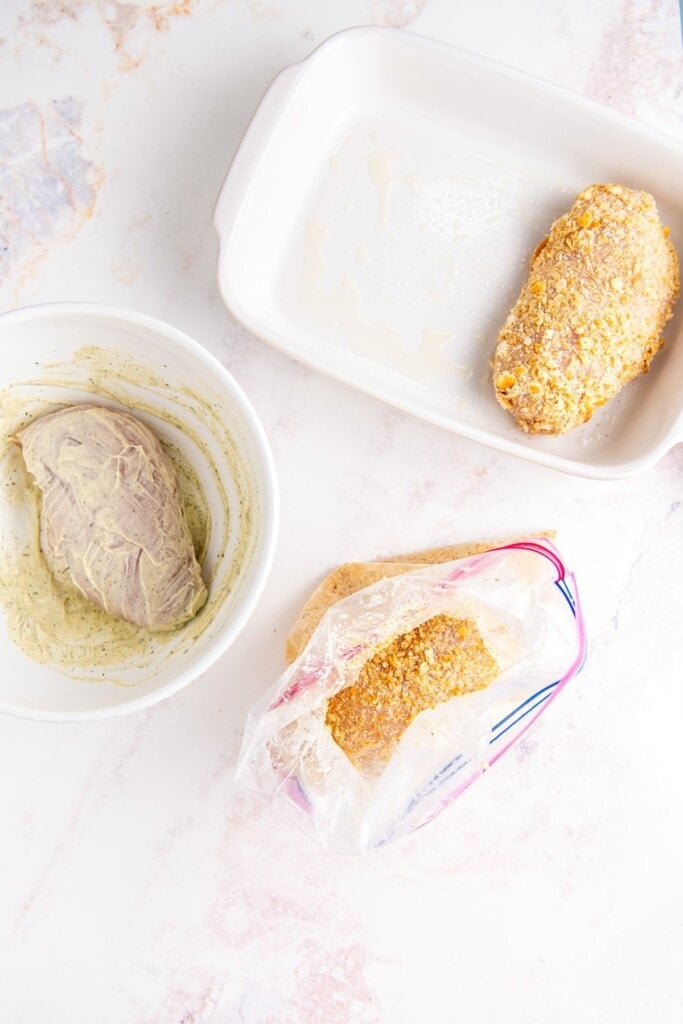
<point>439,659</point>
<point>589,318</point>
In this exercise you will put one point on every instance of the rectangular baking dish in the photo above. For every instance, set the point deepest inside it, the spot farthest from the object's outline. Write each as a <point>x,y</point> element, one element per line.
<point>378,220</point>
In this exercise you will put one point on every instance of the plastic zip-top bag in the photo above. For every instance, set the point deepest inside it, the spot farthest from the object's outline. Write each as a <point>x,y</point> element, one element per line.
<point>409,689</point>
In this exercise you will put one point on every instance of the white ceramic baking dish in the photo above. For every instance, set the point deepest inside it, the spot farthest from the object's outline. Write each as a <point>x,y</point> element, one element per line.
<point>378,219</point>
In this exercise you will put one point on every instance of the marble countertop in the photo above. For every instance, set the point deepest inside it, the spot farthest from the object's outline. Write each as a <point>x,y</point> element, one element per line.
<point>137,885</point>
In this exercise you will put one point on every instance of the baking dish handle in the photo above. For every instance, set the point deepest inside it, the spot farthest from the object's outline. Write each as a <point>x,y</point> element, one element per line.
<point>251,149</point>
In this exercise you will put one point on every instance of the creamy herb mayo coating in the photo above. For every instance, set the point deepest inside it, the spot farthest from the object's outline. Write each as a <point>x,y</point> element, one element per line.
<point>47,618</point>
<point>112,517</point>
<point>589,318</point>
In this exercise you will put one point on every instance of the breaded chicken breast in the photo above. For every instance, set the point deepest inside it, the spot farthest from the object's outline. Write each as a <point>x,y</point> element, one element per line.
<point>590,316</point>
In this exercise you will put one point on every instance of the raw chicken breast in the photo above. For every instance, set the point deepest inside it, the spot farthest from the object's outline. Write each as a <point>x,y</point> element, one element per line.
<point>112,515</point>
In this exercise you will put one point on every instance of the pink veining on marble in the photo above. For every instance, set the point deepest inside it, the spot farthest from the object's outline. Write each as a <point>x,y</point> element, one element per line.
<point>264,10</point>
<point>50,12</point>
<point>281,953</point>
<point>639,69</point>
<point>49,183</point>
<point>397,13</point>
<point>110,773</point>
<point>332,987</point>
<point>128,23</point>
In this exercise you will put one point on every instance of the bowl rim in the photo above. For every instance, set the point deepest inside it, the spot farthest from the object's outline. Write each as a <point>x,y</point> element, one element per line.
<point>270,499</point>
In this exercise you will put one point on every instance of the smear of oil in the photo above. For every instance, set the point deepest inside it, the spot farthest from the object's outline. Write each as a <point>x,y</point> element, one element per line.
<point>374,340</point>
<point>49,184</point>
<point>380,172</point>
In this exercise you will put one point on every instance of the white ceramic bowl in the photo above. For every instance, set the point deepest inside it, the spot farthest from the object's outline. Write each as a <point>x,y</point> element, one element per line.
<point>71,352</point>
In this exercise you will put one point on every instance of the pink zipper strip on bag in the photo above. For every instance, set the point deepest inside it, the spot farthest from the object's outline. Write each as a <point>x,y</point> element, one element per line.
<point>551,553</point>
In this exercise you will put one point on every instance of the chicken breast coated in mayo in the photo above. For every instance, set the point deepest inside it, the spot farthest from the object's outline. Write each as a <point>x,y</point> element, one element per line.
<point>112,517</point>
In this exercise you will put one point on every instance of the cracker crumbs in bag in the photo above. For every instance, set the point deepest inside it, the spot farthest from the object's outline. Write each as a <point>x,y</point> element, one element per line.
<point>437,660</point>
<point>407,680</point>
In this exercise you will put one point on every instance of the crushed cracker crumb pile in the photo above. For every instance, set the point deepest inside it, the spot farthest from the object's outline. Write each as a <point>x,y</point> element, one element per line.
<point>589,318</point>
<point>439,659</point>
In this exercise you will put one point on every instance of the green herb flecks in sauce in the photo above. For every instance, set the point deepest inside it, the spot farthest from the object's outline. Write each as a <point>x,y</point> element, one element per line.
<point>48,619</point>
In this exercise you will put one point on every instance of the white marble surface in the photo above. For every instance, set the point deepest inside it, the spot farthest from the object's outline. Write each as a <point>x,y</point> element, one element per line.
<point>137,885</point>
